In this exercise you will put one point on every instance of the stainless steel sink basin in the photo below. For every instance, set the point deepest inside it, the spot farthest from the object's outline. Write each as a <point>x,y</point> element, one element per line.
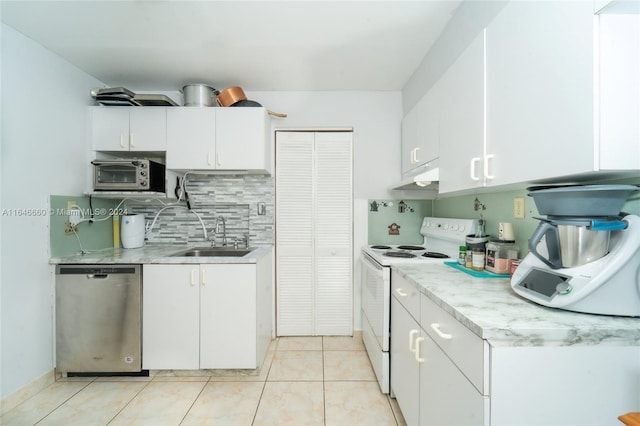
<point>212,252</point>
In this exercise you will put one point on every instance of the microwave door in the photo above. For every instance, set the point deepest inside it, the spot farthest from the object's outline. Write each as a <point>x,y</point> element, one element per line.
<point>117,174</point>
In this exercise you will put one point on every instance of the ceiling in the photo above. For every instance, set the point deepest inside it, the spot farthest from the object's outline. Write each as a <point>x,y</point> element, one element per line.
<point>260,45</point>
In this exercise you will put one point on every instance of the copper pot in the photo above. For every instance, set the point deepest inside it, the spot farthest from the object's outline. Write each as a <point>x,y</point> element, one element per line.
<point>230,96</point>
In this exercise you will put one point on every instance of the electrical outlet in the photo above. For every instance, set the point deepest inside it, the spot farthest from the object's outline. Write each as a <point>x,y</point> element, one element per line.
<point>69,228</point>
<point>518,207</point>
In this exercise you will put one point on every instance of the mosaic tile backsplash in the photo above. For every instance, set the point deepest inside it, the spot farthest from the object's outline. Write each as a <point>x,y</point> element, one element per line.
<point>233,197</point>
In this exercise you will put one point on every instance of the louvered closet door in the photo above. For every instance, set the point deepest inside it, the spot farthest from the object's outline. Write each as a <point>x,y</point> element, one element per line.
<point>333,233</point>
<point>294,233</point>
<point>314,233</point>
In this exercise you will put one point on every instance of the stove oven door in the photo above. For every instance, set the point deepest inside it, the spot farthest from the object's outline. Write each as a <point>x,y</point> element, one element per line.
<point>376,302</point>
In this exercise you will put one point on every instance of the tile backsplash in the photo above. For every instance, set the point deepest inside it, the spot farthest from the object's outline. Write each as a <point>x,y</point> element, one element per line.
<point>234,197</point>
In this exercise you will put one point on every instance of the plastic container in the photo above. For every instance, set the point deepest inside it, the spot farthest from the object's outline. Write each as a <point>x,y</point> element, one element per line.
<point>132,229</point>
<point>581,200</point>
<point>499,256</point>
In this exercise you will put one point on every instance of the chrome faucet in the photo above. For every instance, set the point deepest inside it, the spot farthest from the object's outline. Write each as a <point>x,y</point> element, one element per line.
<point>224,229</point>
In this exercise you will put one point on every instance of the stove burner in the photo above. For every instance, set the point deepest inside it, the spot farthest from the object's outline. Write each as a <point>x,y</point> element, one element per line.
<point>435,255</point>
<point>381,247</point>
<point>410,247</point>
<point>399,254</point>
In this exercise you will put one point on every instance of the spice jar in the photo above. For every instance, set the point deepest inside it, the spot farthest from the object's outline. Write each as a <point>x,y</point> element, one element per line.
<point>477,260</point>
<point>462,256</point>
<point>469,259</point>
<point>500,253</point>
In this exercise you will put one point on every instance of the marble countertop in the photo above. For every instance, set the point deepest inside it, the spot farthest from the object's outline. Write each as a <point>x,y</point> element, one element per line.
<point>491,309</point>
<point>155,253</point>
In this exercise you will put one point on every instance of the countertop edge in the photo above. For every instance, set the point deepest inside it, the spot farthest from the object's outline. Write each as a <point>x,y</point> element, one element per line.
<point>156,254</point>
<point>530,325</point>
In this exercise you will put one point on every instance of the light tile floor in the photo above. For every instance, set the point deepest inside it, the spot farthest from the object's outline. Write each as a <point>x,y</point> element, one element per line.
<point>304,381</point>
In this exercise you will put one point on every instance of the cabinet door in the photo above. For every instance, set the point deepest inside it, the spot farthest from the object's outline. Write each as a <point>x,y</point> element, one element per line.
<point>191,138</point>
<point>462,121</point>
<point>540,90</point>
<point>405,370</point>
<point>170,312</point>
<point>446,396</point>
<point>242,139</point>
<point>428,142</point>
<point>148,129</point>
<point>228,316</point>
<point>409,140</point>
<point>110,128</point>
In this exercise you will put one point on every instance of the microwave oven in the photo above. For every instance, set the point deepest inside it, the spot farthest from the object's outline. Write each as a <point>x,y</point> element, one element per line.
<point>128,175</point>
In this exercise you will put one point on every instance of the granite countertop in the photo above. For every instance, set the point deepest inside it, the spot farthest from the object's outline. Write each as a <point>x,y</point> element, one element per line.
<point>493,311</point>
<point>155,253</point>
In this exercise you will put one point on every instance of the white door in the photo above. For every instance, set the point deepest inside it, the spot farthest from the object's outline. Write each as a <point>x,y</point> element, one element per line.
<point>170,317</point>
<point>314,288</point>
<point>191,138</point>
<point>228,316</point>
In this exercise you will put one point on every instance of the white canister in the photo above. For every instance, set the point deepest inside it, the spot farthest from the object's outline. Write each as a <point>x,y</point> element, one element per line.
<point>132,230</point>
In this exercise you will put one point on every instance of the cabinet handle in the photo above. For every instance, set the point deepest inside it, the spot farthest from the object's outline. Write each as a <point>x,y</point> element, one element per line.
<point>486,166</point>
<point>218,159</point>
<point>209,158</point>
<point>204,276</point>
<point>400,292</point>
<point>415,155</point>
<point>194,277</point>
<point>436,327</point>
<point>412,334</point>
<point>474,161</point>
<point>417,351</point>
<point>122,140</point>
<point>132,139</point>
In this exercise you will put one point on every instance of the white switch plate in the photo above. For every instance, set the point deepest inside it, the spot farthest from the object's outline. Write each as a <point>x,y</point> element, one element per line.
<point>518,207</point>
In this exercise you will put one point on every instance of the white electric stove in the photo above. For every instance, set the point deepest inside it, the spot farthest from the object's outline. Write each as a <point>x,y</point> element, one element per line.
<point>442,238</point>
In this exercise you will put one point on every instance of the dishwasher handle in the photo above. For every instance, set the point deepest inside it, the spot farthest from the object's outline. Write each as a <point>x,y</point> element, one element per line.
<point>97,276</point>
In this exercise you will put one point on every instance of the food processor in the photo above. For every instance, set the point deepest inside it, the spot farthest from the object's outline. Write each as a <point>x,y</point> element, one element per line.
<point>585,256</point>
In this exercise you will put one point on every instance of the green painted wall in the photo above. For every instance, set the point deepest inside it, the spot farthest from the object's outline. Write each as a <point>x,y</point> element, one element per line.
<point>409,221</point>
<point>91,236</point>
<point>498,208</point>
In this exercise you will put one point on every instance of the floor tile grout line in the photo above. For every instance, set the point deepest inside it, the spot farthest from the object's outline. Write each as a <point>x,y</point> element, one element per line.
<point>129,403</point>
<point>59,405</point>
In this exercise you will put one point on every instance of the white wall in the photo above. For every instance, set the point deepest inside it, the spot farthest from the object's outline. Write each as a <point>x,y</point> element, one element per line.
<point>44,151</point>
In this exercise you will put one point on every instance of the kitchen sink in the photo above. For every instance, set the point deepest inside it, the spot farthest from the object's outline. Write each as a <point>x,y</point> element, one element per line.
<point>212,252</point>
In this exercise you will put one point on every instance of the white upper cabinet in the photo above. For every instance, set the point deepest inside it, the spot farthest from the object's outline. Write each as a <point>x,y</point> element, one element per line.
<point>218,139</point>
<point>191,138</point>
<point>462,157</point>
<point>242,139</point>
<point>548,93</point>
<point>619,91</point>
<point>128,129</point>
<point>420,143</point>
<point>540,91</point>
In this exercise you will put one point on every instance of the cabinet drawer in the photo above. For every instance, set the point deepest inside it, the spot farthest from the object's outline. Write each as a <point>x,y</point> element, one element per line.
<point>459,343</point>
<point>406,293</point>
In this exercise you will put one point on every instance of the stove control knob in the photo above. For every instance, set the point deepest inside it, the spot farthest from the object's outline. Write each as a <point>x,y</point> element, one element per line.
<point>427,224</point>
<point>462,228</point>
<point>454,227</point>
<point>446,226</point>
<point>564,288</point>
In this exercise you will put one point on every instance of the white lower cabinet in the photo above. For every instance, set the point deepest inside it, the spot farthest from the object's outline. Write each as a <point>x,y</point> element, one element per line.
<point>429,387</point>
<point>444,374</point>
<point>208,316</point>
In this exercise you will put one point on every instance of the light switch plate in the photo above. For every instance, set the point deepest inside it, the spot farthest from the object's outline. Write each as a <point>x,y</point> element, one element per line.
<point>518,207</point>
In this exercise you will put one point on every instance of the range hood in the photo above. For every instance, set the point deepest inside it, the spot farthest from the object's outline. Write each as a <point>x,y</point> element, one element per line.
<point>425,180</point>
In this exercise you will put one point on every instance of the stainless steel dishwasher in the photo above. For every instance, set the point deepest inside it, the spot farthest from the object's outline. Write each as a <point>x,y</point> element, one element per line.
<point>98,319</point>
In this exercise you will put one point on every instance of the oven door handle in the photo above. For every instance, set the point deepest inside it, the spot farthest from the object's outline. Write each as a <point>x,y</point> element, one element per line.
<point>370,262</point>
